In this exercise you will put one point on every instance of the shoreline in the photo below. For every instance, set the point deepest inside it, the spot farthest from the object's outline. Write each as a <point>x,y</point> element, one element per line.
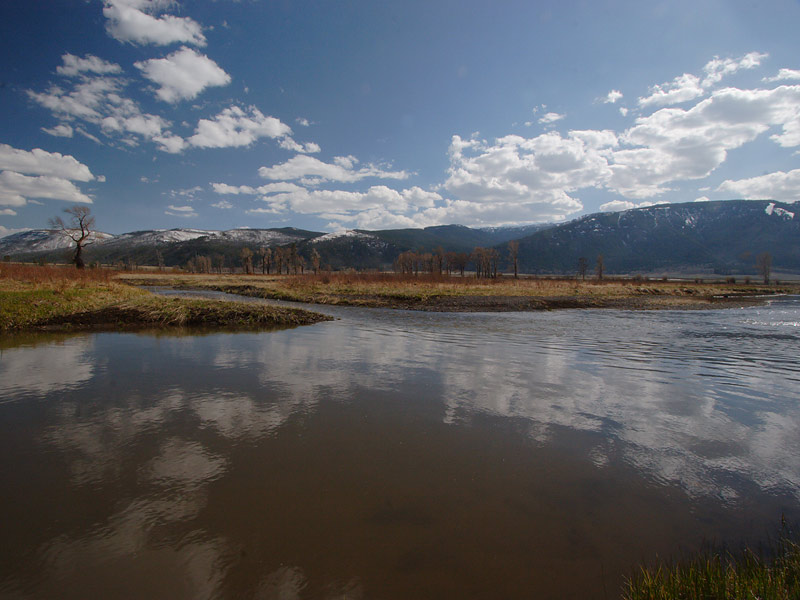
<point>480,303</point>
<point>80,304</point>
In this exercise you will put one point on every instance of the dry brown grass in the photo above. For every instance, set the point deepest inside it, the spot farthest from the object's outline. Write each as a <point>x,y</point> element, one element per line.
<point>53,274</point>
<point>442,292</point>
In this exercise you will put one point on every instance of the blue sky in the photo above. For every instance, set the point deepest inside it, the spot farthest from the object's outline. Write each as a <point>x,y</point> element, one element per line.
<point>332,115</point>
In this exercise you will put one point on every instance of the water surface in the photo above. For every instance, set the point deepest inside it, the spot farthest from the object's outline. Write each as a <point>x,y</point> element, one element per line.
<point>394,454</point>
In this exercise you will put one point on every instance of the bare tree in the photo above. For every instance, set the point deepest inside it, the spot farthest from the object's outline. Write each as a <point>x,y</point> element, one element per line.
<point>315,258</point>
<point>583,267</point>
<point>513,256</point>
<point>247,260</point>
<point>599,268</point>
<point>78,228</point>
<point>764,265</point>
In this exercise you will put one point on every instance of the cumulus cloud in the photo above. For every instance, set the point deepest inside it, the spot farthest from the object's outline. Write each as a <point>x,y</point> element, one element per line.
<point>303,122</point>
<point>140,22</point>
<point>532,175</point>
<point>676,144</point>
<point>41,162</point>
<point>343,169</point>
<point>784,75</point>
<point>180,211</point>
<point>235,126</point>
<point>288,143</point>
<point>222,204</point>
<point>75,65</point>
<point>183,74</point>
<point>377,207</point>
<point>612,97</point>
<point>16,188</point>
<point>100,101</point>
<point>773,186</point>
<point>688,87</point>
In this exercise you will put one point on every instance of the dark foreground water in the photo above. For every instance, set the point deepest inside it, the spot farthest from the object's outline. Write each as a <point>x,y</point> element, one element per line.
<point>394,454</point>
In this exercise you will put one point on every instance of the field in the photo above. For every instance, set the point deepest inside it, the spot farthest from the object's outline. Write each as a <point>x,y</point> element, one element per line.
<point>444,293</point>
<point>53,298</point>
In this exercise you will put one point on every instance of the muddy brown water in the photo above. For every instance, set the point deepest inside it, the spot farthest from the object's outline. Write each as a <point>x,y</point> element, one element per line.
<point>394,454</point>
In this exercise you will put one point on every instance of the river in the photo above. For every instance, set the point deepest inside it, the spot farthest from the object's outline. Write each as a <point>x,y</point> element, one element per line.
<point>394,454</point>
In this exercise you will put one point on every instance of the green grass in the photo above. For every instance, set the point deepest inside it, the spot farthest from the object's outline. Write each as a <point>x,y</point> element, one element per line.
<point>771,573</point>
<point>49,299</point>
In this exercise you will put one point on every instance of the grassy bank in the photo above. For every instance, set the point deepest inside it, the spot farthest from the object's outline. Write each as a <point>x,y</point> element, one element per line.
<point>771,573</point>
<point>468,294</point>
<point>51,298</point>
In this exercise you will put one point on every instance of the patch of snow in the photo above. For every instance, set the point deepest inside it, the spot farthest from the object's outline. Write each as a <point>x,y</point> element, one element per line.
<point>771,209</point>
<point>348,233</point>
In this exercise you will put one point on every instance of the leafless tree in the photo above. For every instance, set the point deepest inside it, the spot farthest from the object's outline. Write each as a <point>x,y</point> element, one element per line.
<point>78,228</point>
<point>599,268</point>
<point>513,256</point>
<point>315,258</point>
<point>247,260</point>
<point>764,265</point>
<point>583,264</point>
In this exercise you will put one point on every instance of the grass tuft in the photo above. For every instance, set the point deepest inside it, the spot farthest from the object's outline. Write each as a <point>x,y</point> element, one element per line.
<point>769,573</point>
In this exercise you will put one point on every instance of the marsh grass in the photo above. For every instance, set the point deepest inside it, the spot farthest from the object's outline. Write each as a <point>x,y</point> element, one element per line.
<point>770,572</point>
<point>427,291</point>
<point>34,297</point>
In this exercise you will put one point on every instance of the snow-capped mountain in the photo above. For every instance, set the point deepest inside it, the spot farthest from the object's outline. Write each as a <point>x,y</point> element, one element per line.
<point>43,240</point>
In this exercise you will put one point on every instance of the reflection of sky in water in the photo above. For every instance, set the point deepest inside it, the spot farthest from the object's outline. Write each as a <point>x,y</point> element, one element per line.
<point>704,400</point>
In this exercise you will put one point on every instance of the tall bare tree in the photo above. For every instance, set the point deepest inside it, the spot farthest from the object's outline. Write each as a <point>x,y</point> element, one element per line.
<point>513,256</point>
<point>600,267</point>
<point>247,260</point>
<point>78,228</point>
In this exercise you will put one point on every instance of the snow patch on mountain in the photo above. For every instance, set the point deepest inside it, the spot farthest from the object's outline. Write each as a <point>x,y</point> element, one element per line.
<point>771,209</point>
<point>349,233</point>
<point>44,240</point>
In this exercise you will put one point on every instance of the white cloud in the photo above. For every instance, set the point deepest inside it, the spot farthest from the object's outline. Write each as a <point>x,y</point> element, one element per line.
<point>61,130</point>
<point>132,21</point>
<point>269,188</point>
<point>717,68</point>
<point>550,118</point>
<point>532,176</point>
<point>612,97</point>
<point>74,65</point>
<point>779,185</point>
<point>180,211</point>
<point>623,111</point>
<point>41,162</point>
<point>687,87</point>
<point>342,170</point>
<point>222,204</point>
<point>302,122</point>
<point>172,144</point>
<point>620,205</point>
<point>681,89</point>
<point>237,127</point>
<point>288,143</point>
<point>16,188</point>
<point>7,212</point>
<point>675,144</point>
<point>183,74</point>
<point>99,100</point>
<point>784,75</point>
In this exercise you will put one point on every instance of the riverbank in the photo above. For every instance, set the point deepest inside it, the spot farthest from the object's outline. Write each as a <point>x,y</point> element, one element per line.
<point>54,298</point>
<point>455,294</point>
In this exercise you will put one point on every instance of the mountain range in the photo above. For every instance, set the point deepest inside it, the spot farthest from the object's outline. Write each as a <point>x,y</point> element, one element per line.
<point>721,237</point>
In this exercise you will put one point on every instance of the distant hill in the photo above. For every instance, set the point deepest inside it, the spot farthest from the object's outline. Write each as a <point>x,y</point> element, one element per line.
<point>722,237</point>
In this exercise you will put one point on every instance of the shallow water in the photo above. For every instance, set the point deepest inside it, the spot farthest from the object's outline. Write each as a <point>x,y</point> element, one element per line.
<point>394,454</point>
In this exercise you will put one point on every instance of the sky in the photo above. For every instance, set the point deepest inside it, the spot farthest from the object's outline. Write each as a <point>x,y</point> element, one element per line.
<point>373,115</point>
